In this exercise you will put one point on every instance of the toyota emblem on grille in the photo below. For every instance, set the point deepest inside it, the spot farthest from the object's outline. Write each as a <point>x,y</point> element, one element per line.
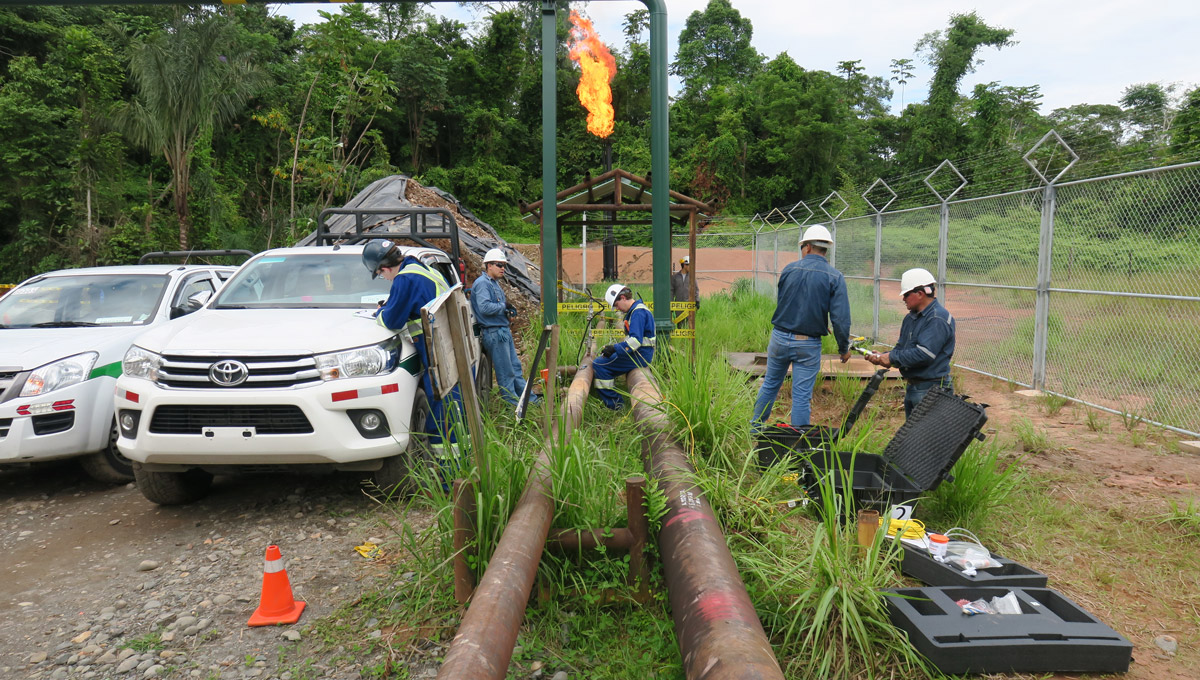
<point>228,373</point>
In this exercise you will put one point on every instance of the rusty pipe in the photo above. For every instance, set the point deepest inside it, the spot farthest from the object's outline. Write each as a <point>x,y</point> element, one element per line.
<point>483,646</point>
<point>719,634</point>
<point>588,539</point>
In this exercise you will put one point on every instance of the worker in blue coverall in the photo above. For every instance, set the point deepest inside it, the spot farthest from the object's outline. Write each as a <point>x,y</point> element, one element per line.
<point>926,344</point>
<point>636,350</point>
<point>811,297</point>
<point>492,313</point>
<point>414,285</point>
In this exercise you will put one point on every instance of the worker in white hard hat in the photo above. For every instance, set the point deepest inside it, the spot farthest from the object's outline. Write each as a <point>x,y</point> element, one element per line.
<point>811,297</point>
<point>635,350</point>
<point>493,313</point>
<point>683,283</point>
<point>926,344</point>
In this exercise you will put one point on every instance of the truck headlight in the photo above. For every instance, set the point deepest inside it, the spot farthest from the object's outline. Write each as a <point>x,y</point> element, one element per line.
<point>141,363</point>
<point>59,374</point>
<point>358,362</point>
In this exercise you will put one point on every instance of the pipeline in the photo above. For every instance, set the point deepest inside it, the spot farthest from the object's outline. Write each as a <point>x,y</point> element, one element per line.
<point>719,634</point>
<point>483,646</point>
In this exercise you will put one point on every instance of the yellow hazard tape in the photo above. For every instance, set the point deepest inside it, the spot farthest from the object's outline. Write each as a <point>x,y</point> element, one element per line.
<point>682,306</point>
<point>604,333</point>
<point>580,306</point>
<point>683,333</point>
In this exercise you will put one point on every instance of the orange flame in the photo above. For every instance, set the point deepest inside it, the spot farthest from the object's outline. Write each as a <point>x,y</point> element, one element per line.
<point>598,67</point>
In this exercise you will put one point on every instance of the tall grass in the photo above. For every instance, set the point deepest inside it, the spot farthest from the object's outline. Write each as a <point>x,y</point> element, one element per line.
<point>983,482</point>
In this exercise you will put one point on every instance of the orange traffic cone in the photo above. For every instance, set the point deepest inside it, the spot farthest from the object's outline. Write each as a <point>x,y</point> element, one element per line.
<point>276,605</point>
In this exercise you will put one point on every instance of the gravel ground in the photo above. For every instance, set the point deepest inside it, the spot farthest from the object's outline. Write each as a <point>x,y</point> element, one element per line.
<point>92,574</point>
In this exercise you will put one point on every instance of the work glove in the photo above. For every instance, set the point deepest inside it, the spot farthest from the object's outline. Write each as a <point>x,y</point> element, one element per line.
<point>609,350</point>
<point>510,311</point>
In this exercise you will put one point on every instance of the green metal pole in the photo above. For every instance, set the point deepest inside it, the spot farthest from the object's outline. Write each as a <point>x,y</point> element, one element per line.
<point>660,166</point>
<point>549,164</point>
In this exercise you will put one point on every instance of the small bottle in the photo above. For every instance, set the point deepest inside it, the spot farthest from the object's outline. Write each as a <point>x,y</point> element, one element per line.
<point>937,546</point>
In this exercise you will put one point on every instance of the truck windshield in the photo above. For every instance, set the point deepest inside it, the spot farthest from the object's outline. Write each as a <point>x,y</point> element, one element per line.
<point>325,280</point>
<point>83,300</point>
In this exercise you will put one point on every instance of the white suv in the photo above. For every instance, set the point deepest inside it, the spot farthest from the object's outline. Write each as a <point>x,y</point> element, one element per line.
<point>285,367</point>
<point>62,337</point>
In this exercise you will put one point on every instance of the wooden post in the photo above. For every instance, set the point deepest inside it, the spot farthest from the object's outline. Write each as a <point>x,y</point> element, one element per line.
<point>635,508</point>
<point>464,534</point>
<point>459,332</point>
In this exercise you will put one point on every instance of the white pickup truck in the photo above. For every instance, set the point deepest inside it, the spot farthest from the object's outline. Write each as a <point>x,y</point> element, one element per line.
<point>62,337</point>
<point>284,369</point>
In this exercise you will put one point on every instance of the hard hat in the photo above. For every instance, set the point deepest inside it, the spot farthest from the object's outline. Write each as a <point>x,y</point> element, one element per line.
<point>817,235</point>
<point>374,253</point>
<point>914,279</point>
<point>686,259</point>
<point>613,292</point>
<point>495,255</point>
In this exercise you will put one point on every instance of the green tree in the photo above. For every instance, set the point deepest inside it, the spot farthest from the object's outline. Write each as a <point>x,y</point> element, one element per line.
<point>1185,133</point>
<point>714,48</point>
<point>902,72</point>
<point>189,78</point>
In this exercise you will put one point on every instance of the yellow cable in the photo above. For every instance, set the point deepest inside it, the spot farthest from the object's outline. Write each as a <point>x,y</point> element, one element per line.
<point>907,528</point>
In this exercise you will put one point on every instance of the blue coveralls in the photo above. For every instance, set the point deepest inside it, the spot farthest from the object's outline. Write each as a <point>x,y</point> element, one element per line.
<point>924,351</point>
<point>489,302</point>
<point>636,350</point>
<point>811,296</point>
<point>414,287</point>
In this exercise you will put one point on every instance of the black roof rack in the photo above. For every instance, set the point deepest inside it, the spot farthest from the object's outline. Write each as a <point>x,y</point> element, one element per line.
<point>188,254</point>
<point>418,231</point>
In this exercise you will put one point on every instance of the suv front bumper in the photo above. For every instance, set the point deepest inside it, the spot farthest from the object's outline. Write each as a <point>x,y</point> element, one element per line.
<point>68,422</point>
<point>313,424</point>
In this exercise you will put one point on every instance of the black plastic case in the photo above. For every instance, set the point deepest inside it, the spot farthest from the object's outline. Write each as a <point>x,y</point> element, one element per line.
<point>918,564</point>
<point>1051,635</point>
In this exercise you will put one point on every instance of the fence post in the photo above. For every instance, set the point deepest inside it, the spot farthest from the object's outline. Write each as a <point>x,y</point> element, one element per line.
<point>833,250</point>
<point>943,248</point>
<point>878,251</point>
<point>1042,306</point>
<point>1041,310</point>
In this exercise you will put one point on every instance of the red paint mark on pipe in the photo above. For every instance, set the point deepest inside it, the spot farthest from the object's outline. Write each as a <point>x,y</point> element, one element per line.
<point>723,607</point>
<point>686,515</point>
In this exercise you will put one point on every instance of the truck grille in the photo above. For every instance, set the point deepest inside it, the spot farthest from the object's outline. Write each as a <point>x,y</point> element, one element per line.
<point>264,419</point>
<point>264,371</point>
<point>7,377</point>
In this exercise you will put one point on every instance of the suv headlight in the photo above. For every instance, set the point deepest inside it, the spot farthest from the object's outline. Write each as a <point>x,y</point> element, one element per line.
<point>141,363</point>
<point>358,362</point>
<point>59,374</point>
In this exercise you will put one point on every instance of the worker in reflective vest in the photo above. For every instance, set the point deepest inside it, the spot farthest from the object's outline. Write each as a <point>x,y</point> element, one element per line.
<point>636,350</point>
<point>414,285</point>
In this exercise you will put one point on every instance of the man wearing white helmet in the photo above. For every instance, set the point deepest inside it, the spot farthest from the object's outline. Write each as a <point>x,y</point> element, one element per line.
<point>683,283</point>
<point>926,344</point>
<point>637,349</point>
<point>811,296</point>
<point>493,313</point>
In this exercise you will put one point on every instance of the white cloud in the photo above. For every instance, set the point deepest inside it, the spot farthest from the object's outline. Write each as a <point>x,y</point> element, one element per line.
<point>1078,52</point>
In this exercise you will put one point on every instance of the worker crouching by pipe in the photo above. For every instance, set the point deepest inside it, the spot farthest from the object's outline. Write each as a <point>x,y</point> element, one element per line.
<point>635,351</point>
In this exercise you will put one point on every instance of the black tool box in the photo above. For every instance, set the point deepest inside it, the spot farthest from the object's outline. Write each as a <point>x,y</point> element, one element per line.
<point>777,442</point>
<point>920,565</point>
<point>1051,634</point>
<point>916,461</point>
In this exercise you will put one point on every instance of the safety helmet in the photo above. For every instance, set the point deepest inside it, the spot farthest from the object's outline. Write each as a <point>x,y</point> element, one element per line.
<point>495,255</point>
<point>614,291</point>
<point>817,235</point>
<point>686,259</point>
<point>375,253</point>
<point>917,278</point>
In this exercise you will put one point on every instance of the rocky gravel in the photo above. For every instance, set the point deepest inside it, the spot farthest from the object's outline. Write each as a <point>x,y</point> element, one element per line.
<point>97,582</point>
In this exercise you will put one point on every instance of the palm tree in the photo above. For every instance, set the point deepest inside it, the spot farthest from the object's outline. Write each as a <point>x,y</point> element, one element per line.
<point>189,78</point>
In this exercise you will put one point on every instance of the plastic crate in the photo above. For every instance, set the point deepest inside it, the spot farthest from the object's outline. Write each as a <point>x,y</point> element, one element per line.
<point>915,461</point>
<point>1051,635</point>
<point>918,564</point>
<point>777,442</point>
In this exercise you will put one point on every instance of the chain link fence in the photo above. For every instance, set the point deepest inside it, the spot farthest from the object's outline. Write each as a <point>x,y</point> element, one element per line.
<point>1088,289</point>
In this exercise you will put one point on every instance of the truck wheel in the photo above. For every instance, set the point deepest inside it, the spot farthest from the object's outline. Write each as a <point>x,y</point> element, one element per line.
<point>397,471</point>
<point>108,465</point>
<point>173,488</point>
<point>484,379</point>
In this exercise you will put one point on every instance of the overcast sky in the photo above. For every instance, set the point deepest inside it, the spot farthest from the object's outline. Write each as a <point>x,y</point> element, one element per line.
<point>1077,51</point>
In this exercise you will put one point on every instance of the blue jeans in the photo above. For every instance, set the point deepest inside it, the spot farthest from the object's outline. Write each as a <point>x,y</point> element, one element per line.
<point>606,369</point>
<point>916,390</point>
<point>804,356</point>
<point>498,342</point>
